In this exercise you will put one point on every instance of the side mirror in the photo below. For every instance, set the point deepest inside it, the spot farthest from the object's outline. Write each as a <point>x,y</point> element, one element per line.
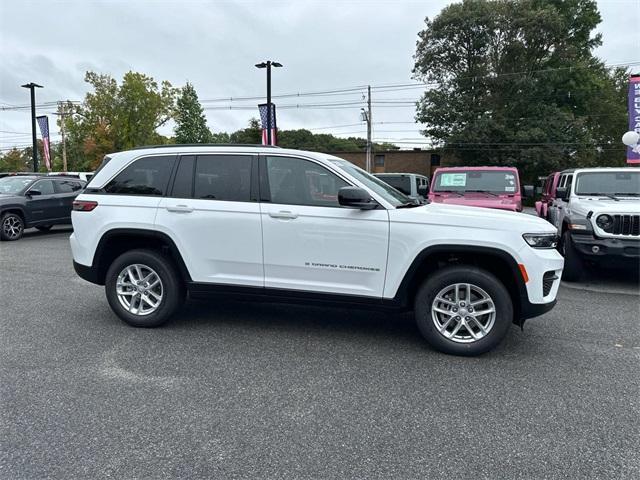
<point>528,191</point>
<point>355,197</point>
<point>423,190</point>
<point>32,192</point>
<point>561,193</point>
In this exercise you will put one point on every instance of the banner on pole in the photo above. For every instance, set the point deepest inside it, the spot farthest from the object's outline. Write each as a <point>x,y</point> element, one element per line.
<point>43,123</point>
<point>264,111</point>
<point>633,154</point>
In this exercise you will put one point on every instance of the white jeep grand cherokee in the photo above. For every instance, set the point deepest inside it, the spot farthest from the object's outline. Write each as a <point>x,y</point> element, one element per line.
<point>287,225</point>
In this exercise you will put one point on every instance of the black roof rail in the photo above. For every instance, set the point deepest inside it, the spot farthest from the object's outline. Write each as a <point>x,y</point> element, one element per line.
<point>253,145</point>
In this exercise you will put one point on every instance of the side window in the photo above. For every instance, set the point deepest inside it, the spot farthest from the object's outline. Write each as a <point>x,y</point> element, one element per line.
<point>294,181</point>
<point>45,187</point>
<point>569,181</point>
<point>223,177</point>
<point>67,186</point>
<point>183,183</point>
<point>145,176</point>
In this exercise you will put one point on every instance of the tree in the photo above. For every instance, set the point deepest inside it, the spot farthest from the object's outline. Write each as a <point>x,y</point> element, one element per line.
<point>516,83</point>
<point>117,117</point>
<point>14,161</point>
<point>191,124</point>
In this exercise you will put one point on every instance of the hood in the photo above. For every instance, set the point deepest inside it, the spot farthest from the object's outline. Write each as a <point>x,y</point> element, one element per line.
<point>473,217</point>
<point>477,200</point>
<point>582,206</point>
<point>9,197</point>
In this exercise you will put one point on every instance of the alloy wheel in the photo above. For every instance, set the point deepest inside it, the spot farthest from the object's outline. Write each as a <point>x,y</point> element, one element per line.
<point>463,313</point>
<point>12,227</point>
<point>139,289</point>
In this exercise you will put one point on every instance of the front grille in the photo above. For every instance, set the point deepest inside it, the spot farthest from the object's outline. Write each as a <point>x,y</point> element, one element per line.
<point>626,225</point>
<point>547,282</point>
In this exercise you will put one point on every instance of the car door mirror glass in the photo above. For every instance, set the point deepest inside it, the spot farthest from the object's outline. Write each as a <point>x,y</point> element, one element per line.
<point>423,190</point>
<point>33,192</point>
<point>561,193</point>
<point>528,191</point>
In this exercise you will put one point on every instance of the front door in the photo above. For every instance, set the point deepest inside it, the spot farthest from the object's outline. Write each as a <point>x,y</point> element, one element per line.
<point>44,206</point>
<point>213,216</point>
<point>310,241</point>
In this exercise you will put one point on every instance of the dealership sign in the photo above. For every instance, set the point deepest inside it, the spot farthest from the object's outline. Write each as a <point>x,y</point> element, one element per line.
<point>633,154</point>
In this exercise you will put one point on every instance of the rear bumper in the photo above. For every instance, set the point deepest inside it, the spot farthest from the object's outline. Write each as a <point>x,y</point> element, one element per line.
<point>606,248</point>
<point>87,273</point>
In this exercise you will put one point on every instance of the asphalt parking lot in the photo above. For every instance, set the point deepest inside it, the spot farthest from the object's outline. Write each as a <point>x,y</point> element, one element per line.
<point>234,390</point>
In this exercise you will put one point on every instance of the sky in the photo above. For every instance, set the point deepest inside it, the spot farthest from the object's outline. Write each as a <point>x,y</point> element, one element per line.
<point>323,45</point>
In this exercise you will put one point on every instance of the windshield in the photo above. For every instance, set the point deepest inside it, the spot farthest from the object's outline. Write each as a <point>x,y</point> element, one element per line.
<point>477,180</point>
<point>14,184</point>
<point>386,191</point>
<point>398,182</point>
<point>612,183</point>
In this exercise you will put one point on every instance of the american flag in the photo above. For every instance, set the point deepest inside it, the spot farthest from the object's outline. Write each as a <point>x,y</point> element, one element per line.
<point>43,123</point>
<point>263,120</point>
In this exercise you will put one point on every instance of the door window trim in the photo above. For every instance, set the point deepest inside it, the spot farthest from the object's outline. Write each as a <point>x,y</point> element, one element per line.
<point>40,180</point>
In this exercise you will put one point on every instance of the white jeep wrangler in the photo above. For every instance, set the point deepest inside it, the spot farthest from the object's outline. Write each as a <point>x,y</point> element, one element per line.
<point>246,221</point>
<point>597,214</point>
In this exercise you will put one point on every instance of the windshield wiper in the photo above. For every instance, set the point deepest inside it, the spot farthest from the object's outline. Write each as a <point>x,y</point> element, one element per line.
<point>608,195</point>
<point>482,191</point>
<point>449,191</point>
<point>627,194</point>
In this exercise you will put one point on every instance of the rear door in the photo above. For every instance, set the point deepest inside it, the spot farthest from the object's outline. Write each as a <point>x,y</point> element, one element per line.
<point>311,242</point>
<point>213,216</point>
<point>67,190</point>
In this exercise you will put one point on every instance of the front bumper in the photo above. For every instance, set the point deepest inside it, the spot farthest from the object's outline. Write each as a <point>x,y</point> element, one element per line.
<point>606,248</point>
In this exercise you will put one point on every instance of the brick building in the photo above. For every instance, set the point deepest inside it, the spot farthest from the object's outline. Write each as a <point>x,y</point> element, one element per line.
<point>404,161</point>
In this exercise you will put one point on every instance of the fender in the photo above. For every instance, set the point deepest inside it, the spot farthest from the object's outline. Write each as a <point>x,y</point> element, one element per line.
<point>517,287</point>
<point>150,237</point>
<point>16,206</point>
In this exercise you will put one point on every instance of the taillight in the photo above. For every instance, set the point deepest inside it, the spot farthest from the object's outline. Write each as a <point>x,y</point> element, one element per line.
<point>84,205</point>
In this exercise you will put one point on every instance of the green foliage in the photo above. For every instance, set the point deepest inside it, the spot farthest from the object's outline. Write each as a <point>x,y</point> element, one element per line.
<point>191,124</point>
<point>519,85</point>
<point>14,161</point>
<point>117,117</point>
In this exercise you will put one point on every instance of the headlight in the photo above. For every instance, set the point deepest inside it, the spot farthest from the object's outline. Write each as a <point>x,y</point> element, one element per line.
<point>541,240</point>
<point>605,222</point>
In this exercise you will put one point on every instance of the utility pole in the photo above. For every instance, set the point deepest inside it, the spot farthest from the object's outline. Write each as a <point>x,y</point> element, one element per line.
<point>369,120</point>
<point>32,87</point>
<point>268,64</point>
<point>62,112</point>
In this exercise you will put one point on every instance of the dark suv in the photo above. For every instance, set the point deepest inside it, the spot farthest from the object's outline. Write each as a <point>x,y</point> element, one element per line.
<point>35,201</point>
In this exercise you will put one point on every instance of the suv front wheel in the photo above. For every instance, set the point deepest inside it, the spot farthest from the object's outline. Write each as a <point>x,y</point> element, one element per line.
<point>142,288</point>
<point>11,227</point>
<point>463,310</point>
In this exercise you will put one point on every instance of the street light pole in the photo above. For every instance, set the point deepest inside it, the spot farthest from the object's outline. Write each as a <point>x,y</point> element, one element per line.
<point>268,64</point>
<point>32,87</point>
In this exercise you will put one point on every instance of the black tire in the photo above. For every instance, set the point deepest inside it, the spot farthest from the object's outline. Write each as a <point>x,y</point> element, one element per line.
<point>573,265</point>
<point>477,277</point>
<point>11,227</point>
<point>173,291</point>
<point>44,228</point>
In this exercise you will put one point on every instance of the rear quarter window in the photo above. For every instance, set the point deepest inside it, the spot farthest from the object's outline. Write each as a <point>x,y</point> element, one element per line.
<point>145,176</point>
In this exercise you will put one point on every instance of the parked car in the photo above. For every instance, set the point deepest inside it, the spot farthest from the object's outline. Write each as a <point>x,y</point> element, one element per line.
<point>548,195</point>
<point>84,176</point>
<point>289,225</point>
<point>35,201</point>
<point>412,185</point>
<point>597,214</point>
<point>489,187</point>
<point>14,174</point>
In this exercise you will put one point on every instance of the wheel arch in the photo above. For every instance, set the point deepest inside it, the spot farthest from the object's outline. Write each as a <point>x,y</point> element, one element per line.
<point>15,209</point>
<point>115,242</point>
<point>496,261</point>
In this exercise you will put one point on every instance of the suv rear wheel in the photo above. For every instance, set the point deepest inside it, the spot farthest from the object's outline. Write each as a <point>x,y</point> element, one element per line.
<point>11,227</point>
<point>143,288</point>
<point>462,310</point>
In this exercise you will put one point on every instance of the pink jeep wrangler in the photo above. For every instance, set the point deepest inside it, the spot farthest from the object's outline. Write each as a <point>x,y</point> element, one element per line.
<point>548,195</point>
<point>489,187</point>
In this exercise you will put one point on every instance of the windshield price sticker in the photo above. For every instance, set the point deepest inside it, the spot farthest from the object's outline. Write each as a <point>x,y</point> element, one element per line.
<point>453,180</point>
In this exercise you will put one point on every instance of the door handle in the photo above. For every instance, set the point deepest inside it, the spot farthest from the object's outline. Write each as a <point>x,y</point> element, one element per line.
<point>179,209</point>
<point>283,214</point>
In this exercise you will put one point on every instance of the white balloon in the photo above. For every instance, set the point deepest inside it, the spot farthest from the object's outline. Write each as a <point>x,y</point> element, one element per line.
<point>631,138</point>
